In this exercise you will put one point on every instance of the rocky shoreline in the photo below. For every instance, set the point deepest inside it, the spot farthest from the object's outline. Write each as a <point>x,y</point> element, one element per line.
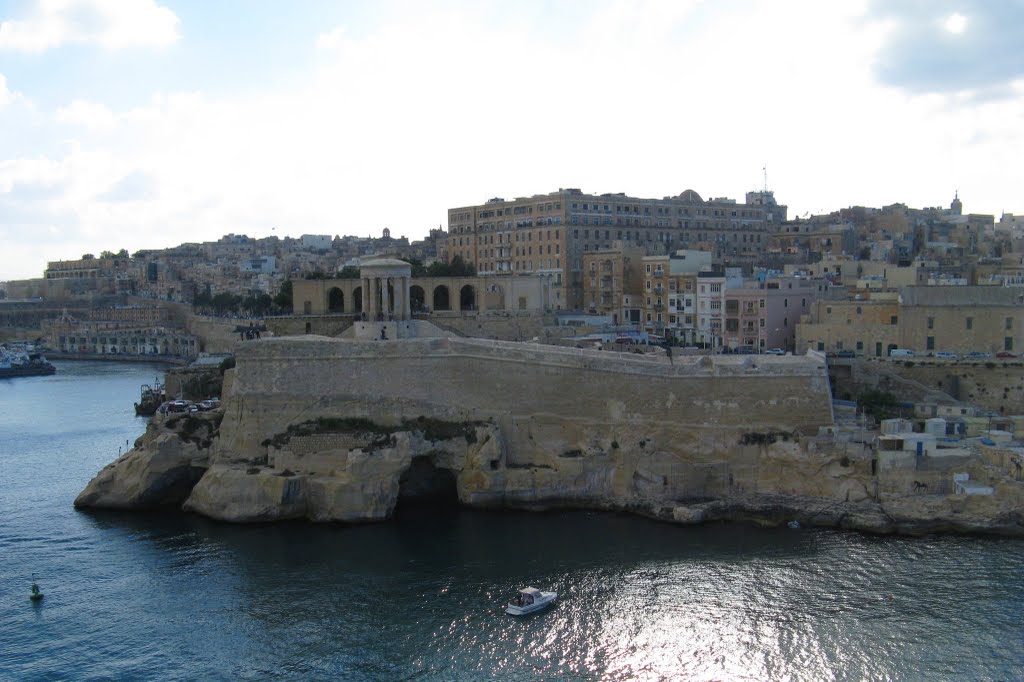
<point>175,465</point>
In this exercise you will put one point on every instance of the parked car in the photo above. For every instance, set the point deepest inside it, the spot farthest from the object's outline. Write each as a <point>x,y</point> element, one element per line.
<point>1005,354</point>
<point>944,354</point>
<point>977,354</point>
<point>775,351</point>
<point>901,353</point>
<point>845,354</point>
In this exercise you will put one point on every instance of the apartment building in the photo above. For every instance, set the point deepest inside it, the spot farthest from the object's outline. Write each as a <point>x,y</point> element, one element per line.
<point>763,312</point>
<point>612,282</point>
<point>550,233</point>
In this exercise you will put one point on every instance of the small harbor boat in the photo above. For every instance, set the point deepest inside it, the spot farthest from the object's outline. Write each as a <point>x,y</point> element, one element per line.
<point>529,600</point>
<point>152,397</point>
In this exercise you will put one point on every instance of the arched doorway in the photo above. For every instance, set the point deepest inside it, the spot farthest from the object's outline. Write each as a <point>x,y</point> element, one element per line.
<point>357,298</point>
<point>441,300</point>
<point>417,299</point>
<point>467,298</point>
<point>335,300</point>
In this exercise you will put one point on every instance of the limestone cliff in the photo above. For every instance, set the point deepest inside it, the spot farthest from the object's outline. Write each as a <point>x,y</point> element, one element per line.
<point>337,430</point>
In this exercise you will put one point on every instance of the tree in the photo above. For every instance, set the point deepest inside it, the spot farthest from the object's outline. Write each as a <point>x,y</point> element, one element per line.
<point>879,404</point>
<point>456,268</point>
<point>418,269</point>
<point>283,299</point>
<point>347,272</point>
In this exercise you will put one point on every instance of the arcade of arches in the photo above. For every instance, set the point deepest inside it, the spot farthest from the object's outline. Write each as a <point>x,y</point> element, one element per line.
<point>384,290</point>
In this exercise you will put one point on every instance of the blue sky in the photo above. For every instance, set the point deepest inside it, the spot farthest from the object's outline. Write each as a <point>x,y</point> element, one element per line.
<point>146,123</point>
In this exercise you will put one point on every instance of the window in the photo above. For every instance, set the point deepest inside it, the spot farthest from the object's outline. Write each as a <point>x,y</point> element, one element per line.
<point>1009,323</point>
<point>894,320</point>
<point>930,343</point>
<point>969,322</point>
<point>931,323</point>
<point>860,345</point>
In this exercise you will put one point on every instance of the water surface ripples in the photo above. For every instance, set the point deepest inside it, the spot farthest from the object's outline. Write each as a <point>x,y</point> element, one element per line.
<point>171,596</point>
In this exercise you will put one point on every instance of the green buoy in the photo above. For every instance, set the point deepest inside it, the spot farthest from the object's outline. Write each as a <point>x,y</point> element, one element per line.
<point>36,594</point>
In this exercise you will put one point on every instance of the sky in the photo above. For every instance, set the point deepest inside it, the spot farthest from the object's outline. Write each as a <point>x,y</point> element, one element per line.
<point>147,123</point>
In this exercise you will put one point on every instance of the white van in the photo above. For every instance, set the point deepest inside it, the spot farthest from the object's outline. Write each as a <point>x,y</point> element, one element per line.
<point>900,353</point>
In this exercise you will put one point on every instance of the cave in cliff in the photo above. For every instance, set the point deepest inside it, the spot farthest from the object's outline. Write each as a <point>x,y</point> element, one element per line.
<point>424,483</point>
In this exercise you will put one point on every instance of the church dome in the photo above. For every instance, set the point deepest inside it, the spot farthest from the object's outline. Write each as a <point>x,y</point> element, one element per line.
<point>691,196</point>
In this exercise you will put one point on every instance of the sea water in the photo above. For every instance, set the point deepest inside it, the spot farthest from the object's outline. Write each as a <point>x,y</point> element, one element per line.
<point>171,596</point>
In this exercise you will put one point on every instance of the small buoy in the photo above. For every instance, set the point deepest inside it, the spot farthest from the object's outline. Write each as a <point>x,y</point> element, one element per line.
<point>793,524</point>
<point>36,594</point>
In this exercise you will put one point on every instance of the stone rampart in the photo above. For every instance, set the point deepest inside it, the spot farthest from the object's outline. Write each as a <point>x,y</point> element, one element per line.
<point>622,397</point>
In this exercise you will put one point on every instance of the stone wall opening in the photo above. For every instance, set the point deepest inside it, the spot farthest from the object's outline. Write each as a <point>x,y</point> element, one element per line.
<point>417,299</point>
<point>335,300</point>
<point>424,483</point>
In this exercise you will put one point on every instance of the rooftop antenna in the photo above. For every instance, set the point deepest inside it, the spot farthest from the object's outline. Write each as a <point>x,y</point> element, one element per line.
<point>764,169</point>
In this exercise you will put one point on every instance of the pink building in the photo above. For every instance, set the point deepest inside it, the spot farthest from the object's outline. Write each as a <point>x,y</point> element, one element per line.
<point>763,313</point>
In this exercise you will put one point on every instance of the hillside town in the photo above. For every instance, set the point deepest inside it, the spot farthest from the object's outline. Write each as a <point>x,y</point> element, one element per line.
<point>711,274</point>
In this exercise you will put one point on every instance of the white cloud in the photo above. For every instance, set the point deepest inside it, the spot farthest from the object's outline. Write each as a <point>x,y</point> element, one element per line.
<point>6,96</point>
<point>91,115</point>
<point>445,108</point>
<point>111,24</point>
<point>331,39</point>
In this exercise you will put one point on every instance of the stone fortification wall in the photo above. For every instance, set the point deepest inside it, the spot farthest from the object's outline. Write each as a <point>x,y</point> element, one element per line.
<point>571,424</point>
<point>990,383</point>
<point>337,430</point>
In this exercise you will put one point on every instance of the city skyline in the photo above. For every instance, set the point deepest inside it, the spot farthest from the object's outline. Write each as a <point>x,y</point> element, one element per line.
<point>147,124</point>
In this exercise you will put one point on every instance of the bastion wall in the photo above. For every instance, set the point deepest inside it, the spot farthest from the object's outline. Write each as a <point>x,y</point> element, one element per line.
<point>580,423</point>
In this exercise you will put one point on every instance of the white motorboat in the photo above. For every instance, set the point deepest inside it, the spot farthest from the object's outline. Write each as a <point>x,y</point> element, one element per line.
<point>530,599</point>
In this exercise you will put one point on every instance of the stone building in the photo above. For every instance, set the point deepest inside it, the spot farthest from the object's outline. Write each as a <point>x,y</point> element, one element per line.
<point>613,282</point>
<point>550,233</point>
<point>958,319</point>
<point>426,294</point>
<point>962,319</point>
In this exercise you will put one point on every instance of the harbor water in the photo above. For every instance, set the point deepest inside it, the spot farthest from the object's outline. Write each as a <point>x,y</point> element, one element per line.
<point>171,596</point>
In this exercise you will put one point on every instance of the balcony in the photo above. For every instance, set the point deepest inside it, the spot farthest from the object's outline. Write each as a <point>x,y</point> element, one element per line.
<point>658,289</point>
<point>659,273</point>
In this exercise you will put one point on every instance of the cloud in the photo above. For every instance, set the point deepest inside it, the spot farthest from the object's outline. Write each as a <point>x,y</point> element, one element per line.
<point>6,96</point>
<point>136,186</point>
<point>92,115</point>
<point>948,47</point>
<point>331,39</point>
<point>112,24</point>
<point>448,106</point>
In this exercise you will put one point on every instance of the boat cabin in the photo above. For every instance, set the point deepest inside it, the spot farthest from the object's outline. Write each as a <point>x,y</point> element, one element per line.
<point>527,596</point>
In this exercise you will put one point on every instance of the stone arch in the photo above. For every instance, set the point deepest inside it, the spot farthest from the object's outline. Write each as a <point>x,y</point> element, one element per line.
<point>357,299</point>
<point>417,298</point>
<point>335,300</point>
<point>890,348</point>
<point>442,300</point>
<point>467,297</point>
